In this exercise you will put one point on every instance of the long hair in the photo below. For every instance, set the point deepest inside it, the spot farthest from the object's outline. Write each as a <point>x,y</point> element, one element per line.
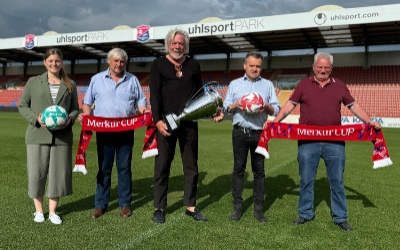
<point>171,35</point>
<point>63,75</point>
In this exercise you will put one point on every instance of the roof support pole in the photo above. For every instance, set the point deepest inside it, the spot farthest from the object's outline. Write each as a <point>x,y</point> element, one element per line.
<point>315,52</point>
<point>72,66</point>
<point>4,68</point>
<point>128,62</point>
<point>25,67</point>
<point>228,59</point>
<point>366,62</point>
<point>269,57</point>
<point>98,65</point>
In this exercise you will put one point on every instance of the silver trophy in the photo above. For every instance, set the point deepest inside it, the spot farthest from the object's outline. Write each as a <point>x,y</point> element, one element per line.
<point>199,106</point>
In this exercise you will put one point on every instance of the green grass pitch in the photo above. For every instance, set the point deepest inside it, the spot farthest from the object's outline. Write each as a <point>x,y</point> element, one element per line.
<point>373,198</point>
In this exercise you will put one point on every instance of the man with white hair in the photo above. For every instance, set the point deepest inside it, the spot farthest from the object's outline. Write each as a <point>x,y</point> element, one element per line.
<point>320,97</point>
<point>117,93</point>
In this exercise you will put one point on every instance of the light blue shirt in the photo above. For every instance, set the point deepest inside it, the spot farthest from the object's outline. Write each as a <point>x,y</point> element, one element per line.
<point>238,87</point>
<point>114,99</point>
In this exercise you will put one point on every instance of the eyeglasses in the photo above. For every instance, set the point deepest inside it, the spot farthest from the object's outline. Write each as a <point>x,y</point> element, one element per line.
<point>328,68</point>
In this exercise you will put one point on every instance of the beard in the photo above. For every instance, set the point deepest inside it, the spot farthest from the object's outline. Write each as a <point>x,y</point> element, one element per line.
<point>176,55</point>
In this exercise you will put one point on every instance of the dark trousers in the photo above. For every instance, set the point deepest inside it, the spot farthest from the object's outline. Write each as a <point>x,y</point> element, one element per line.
<point>243,141</point>
<point>187,135</point>
<point>112,146</point>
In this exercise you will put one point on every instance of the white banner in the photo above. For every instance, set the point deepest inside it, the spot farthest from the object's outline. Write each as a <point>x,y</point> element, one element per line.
<point>373,14</point>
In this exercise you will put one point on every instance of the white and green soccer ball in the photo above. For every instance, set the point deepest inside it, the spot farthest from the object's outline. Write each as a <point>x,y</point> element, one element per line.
<point>54,117</point>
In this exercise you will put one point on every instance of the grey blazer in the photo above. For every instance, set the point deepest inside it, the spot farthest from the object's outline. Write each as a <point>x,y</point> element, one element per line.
<point>35,98</point>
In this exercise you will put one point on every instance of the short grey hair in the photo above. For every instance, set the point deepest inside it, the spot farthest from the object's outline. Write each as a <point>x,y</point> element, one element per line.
<point>255,54</point>
<point>117,53</point>
<point>323,55</point>
<point>171,35</point>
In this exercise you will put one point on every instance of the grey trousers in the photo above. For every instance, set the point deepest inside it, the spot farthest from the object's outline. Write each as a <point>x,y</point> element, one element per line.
<point>52,163</point>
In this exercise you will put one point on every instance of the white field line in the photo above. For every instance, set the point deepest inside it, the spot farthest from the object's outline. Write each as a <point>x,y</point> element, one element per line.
<point>137,239</point>
<point>279,166</point>
<point>171,220</point>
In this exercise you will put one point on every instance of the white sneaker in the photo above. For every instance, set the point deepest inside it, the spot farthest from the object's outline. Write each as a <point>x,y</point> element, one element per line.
<point>55,219</point>
<point>39,217</point>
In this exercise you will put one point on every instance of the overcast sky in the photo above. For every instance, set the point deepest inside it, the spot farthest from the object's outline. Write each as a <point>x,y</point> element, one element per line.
<point>21,17</point>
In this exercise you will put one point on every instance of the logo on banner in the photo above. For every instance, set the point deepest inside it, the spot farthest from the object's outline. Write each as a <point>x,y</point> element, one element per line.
<point>320,18</point>
<point>30,41</point>
<point>143,34</point>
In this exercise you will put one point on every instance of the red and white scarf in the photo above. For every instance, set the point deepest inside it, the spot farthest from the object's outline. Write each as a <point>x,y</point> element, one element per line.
<point>103,124</point>
<point>355,132</point>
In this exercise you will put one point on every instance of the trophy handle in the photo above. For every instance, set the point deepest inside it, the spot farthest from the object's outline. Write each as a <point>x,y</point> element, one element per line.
<point>210,85</point>
<point>198,106</point>
<point>206,87</point>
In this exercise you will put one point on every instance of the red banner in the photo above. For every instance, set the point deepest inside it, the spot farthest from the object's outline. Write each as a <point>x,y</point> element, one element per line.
<point>355,132</point>
<point>103,124</point>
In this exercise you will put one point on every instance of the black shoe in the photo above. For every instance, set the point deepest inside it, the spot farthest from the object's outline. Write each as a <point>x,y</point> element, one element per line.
<point>300,221</point>
<point>158,216</point>
<point>344,225</point>
<point>259,215</point>
<point>236,214</point>
<point>196,215</point>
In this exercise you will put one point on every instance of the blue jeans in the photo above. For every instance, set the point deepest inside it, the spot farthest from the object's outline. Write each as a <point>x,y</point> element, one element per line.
<point>333,154</point>
<point>112,146</point>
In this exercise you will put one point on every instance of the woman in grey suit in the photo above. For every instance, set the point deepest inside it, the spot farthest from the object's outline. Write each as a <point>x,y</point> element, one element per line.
<point>49,153</point>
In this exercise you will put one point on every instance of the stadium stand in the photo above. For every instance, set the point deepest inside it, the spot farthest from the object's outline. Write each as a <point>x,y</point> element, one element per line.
<point>146,91</point>
<point>10,98</point>
<point>377,89</point>
<point>296,71</point>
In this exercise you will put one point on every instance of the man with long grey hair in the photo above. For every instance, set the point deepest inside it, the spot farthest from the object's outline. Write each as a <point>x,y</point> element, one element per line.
<point>174,79</point>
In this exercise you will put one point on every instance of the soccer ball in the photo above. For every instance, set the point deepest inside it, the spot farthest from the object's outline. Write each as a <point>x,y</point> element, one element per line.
<point>54,117</point>
<point>252,103</point>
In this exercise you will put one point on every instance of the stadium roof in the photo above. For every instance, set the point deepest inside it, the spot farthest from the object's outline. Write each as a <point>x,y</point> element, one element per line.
<point>321,28</point>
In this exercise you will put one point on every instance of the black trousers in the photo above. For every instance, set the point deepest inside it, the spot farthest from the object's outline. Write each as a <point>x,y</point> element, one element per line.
<point>243,141</point>
<point>187,135</point>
